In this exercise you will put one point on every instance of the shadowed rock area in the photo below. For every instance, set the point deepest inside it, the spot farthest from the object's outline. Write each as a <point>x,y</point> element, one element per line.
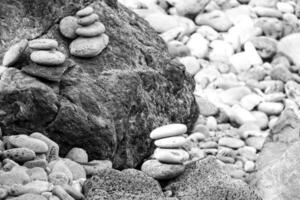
<point>107,104</point>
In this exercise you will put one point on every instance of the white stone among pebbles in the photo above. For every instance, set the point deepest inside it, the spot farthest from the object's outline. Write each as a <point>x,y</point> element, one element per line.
<point>216,19</point>
<point>88,47</point>
<point>191,64</point>
<point>231,142</point>
<point>168,131</point>
<point>44,57</point>
<point>68,26</point>
<point>271,108</point>
<point>13,53</point>
<point>171,156</point>
<point>43,44</point>
<point>198,45</point>
<point>290,46</point>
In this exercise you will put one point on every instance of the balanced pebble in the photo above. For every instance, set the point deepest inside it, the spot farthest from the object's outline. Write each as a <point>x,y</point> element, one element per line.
<point>68,26</point>
<point>14,52</point>
<point>92,30</point>
<point>25,141</point>
<point>48,57</point>
<point>88,47</point>
<point>85,11</point>
<point>162,171</point>
<point>88,20</point>
<point>171,156</point>
<point>171,142</point>
<point>43,44</point>
<point>168,131</point>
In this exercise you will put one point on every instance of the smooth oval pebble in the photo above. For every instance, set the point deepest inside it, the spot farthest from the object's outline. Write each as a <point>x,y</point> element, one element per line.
<point>19,154</point>
<point>171,156</point>
<point>68,26</point>
<point>168,131</point>
<point>14,53</point>
<point>171,142</point>
<point>88,20</point>
<point>92,30</point>
<point>25,141</point>
<point>43,44</point>
<point>85,11</point>
<point>14,177</point>
<point>35,187</point>
<point>162,171</point>
<point>271,108</point>
<point>231,142</point>
<point>48,57</point>
<point>88,47</point>
<point>77,155</point>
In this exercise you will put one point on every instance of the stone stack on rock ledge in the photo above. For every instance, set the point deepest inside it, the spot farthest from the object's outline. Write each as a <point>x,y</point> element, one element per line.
<point>90,32</point>
<point>48,62</point>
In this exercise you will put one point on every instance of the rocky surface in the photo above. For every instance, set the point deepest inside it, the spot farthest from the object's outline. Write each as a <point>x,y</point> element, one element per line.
<point>108,104</point>
<point>206,179</point>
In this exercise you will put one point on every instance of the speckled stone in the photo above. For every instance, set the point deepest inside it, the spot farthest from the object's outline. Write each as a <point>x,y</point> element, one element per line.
<point>162,171</point>
<point>48,57</point>
<point>68,26</point>
<point>88,47</point>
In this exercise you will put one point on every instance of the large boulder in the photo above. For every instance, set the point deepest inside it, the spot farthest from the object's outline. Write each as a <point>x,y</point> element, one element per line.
<point>278,165</point>
<point>128,184</point>
<point>108,104</point>
<point>206,179</point>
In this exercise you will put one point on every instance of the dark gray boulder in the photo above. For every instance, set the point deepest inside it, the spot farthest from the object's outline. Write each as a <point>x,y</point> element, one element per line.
<point>107,104</point>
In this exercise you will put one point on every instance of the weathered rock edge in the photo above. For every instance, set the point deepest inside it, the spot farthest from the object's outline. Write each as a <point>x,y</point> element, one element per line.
<point>107,104</point>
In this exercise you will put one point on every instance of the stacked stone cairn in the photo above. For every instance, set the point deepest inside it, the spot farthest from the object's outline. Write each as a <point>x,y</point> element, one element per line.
<point>174,150</point>
<point>31,169</point>
<point>87,32</point>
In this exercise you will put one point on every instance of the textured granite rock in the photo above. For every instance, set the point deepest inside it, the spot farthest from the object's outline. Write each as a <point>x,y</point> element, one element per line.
<point>128,184</point>
<point>107,104</point>
<point>206,179</point>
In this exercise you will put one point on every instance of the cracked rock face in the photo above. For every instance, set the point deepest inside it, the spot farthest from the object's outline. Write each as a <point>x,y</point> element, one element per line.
<point>108,104</point>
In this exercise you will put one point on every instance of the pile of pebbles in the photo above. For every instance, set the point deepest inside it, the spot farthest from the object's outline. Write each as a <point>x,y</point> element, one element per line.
<point>45,52</point>
<point>31,168</point>
<point>244,57</point>
<point>87,32</point>
<point>174,150</point>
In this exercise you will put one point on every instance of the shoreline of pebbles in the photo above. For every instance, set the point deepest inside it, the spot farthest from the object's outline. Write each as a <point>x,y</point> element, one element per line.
<point>32,169</point>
